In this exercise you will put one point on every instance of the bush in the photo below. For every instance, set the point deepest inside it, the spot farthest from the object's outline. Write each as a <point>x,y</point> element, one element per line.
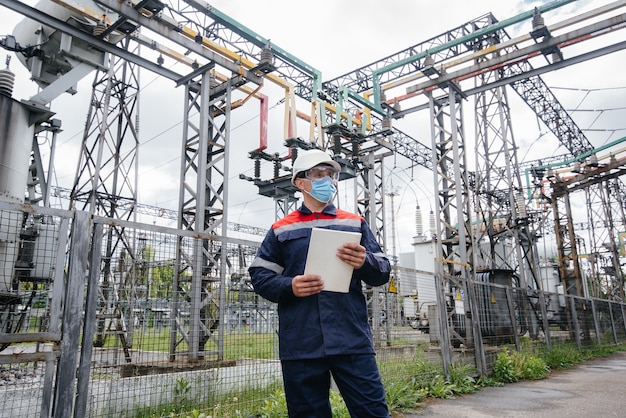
<point>533,368</point>
<point>504,369</point>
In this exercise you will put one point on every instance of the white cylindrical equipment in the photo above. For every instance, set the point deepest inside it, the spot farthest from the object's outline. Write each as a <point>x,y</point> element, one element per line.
<point>16,137</point>
<point>60,54</point>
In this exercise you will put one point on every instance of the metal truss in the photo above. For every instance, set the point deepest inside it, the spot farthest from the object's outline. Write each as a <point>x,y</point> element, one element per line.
<point>449,45</point>
<point>236,38</point>
<point>455,300</point>
<point>106,185</point>
<point>200,274</point>
<point>369,203</point>
<point>605,278</point>
<point>600,180</point>
<point>502,235</point>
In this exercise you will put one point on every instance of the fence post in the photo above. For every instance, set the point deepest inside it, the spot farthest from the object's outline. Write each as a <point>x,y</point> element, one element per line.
<point>596,324</point>
<point>444,329</point>
<point>623,316</point>
<point>544,319</point>
<point>612,321</point>
<point>89,327</point>
<point>72,316</point>
<point>575,321</point>
<point>56,304</point>
<point>479,349</point>
<point>511,305</point>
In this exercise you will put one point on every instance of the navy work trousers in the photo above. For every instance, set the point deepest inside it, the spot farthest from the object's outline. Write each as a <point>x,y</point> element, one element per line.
<point>307,386</point>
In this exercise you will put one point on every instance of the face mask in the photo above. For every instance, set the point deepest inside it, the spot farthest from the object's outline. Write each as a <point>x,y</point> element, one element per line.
<point>323,189</point>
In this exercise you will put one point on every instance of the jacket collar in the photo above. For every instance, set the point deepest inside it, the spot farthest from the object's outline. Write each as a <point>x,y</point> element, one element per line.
<point>330,209</point>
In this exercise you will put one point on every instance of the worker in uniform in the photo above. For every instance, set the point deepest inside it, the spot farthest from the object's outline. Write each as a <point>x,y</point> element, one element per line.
<point>322,333</point>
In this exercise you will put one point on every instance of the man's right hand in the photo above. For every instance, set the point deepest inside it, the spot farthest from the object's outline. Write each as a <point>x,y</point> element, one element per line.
<point>306,285</point>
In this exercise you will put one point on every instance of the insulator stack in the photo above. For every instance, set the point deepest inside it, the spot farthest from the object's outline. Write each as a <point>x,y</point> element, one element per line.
<point>355,149</point>
<point>99,29</point>
<point>276,165</point>
<point>433,225</point>
<point>419,228</point>
<point>521,205</point>
<point>387,123</point>
<point>7,81</point>
<point>538,21</point>
<point>267,56</point>
<point>257,168</point>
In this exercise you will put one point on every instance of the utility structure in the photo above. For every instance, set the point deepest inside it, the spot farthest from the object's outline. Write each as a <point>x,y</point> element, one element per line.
<point>479,210</point>
<point>470,244</point>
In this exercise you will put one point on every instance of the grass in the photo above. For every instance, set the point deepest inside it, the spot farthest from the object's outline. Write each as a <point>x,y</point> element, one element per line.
<point>240,345</point>
<point>408,382</point>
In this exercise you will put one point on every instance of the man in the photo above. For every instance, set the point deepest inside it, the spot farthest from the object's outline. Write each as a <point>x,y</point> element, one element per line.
<point>322,332</point>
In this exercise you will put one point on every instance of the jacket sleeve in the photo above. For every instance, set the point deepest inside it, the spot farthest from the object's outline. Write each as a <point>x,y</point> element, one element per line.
<point>376,269</point>
<point>266,272</point>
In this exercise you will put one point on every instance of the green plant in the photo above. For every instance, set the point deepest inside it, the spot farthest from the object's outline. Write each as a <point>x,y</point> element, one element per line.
<point>488,381</point>
<point>461,378</point>
<point>504,369</point>
<point>181,390</point>
<point>562,356</point>
<point>402,396</point>
<point>423,372</point>
<point>511,367</point>
<point>338,406</point>
<point>428,380</point>
<point>439,387</point>
<point>275,405</point>
<point>533,368</point>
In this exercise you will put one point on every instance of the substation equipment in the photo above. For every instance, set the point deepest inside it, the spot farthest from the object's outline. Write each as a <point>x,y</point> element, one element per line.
<point>485,228</point>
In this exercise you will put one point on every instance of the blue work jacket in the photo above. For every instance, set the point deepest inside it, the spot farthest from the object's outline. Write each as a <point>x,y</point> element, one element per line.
<point>328,323</point>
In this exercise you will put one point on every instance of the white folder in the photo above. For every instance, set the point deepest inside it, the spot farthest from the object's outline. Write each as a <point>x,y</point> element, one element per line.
<point>322,258</point>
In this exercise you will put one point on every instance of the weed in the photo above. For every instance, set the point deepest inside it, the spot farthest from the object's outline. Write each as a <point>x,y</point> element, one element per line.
<point>181,390</point>
<point>511,367</point>
<point>402,396</point>
<point>504,368</point>
<point>462,379</point>
<point>440,388</point>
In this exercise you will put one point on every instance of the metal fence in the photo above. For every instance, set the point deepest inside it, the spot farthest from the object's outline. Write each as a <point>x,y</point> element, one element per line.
<point>104,318</point>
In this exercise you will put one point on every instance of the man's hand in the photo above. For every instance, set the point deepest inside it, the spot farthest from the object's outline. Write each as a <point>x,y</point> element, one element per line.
<point>353,254</point>
<point>306,285</point>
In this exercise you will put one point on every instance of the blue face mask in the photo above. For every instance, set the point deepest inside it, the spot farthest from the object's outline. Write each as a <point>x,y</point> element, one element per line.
<point>323,189</point>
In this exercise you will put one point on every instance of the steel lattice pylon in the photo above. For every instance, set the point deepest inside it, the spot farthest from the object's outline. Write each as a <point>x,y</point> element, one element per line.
<point>369,202</point>
<point>200,276</point>
<point>605,213</point>
<point>501,236</point>
<point>453,227</point>
<point>106,185</point>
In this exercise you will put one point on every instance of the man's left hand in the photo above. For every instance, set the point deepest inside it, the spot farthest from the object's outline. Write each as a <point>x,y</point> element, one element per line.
<point>353,254</point>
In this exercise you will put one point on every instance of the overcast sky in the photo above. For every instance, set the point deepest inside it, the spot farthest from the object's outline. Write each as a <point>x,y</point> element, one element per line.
<point>337,37</point>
